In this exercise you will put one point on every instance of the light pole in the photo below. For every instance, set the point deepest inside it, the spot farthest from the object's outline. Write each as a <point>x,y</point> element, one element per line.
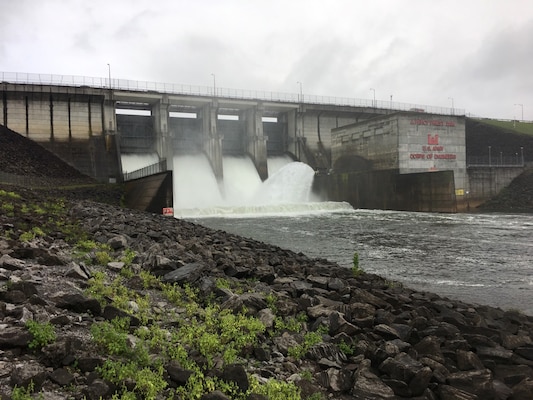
<point>522,106</point>
<point>451,98</point>
<point>301,94</point>
<point>374,99</point>
<point>214,85</point>
<point>522,153</point>
<point>109,71</point>
<point>391,101</point>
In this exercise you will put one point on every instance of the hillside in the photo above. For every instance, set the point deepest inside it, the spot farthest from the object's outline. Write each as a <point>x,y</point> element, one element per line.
<point>100,302</point>
<point>480,134</point>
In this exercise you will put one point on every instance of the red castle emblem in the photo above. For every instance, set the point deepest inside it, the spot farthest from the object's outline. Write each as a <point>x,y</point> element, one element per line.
<point>433,140</point>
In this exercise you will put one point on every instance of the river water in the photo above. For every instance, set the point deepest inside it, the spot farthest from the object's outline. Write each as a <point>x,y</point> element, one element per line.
<point>477,258</point>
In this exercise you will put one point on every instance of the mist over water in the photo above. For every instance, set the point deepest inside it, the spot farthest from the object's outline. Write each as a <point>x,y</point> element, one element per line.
<point>288,188</point>
<point>133,162</point>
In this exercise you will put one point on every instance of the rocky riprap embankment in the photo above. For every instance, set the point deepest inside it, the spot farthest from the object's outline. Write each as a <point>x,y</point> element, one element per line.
<point>402,343</point>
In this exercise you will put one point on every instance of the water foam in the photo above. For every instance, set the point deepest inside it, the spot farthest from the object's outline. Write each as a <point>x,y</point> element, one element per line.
<point>287,191</point>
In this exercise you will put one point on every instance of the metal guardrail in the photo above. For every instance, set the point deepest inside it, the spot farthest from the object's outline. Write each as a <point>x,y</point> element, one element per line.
<point>152,169</point>
<point>212,91</point>
<point>493,162</point>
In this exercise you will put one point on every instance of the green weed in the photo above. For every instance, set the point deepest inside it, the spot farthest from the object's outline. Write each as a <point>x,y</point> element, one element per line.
<point>43,334</point>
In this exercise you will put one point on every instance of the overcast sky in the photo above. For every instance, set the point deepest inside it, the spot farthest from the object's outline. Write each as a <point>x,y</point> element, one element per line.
<point>474,54</point>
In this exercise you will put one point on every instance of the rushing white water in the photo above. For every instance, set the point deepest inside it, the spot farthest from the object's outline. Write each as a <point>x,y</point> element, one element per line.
<point>287,190</point>
<point>195,186</point>
<point>133,162</point>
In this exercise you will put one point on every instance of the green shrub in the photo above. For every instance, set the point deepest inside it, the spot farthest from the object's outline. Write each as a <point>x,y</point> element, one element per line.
<point>24,393</point>
<point>356,269</point>
<point>43,334</point>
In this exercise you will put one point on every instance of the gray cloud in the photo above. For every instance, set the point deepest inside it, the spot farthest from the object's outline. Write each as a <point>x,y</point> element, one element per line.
<point>424,53</point>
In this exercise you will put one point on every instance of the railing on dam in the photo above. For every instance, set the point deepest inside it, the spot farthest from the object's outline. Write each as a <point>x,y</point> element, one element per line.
<point>211,91</point>
<point>152,169</point>
<point>496,161</point>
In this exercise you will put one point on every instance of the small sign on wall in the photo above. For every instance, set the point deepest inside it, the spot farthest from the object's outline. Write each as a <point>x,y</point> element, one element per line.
<point>168,211</point>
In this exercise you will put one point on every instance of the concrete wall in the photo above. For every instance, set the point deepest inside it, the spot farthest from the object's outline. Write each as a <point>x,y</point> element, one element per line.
<point>375,141</point>
<point>487,182</point>
<point>390,190</point>
<point>75,123</point>
<point>152,193</point>
<point>429,142</point>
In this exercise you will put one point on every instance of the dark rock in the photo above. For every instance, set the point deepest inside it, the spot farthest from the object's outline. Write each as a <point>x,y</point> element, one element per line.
<point>112,312</point>
<point>501,390</point>
<point>28,288</point>
<point>511,342</point>
<point>78,303</point>
<point>12,336</point>
<point>118,242</point>
<point>10,263</point>
<point>513,374</point>
<point>498,354</point>
<point>13,296</point>
<point>420,381</point>
<point>255,396</point>
<point>89,364</point>
<point>215,395</point>
<point>337,324</point>
<point>62,377</point>
<point>400,388</point>
<point>446,392</point>
<point>525,351</point>
<point>429,345</point>
<point>188,273</point>
<point>237,374</point>
<point>23,374</point>
<point>386,332</point>
<point>477,382</point>
<point>328,351</point>
<point>78,271</point>
<point>467,360</point>
<point>402,367</point>
<point>367,385</point>
<point>523,390</point>
<point>98,389</point>
<point>337,380</point>
<point>262,353</point>
<point>179,375</point>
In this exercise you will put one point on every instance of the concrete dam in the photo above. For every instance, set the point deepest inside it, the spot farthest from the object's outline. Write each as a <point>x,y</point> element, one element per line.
<point>372,154</point>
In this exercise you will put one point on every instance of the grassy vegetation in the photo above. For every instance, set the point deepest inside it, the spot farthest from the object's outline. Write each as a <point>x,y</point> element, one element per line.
<point>191,330</point>
<point>42,333</point>
<point>217,336</point>
<point>515,126</point>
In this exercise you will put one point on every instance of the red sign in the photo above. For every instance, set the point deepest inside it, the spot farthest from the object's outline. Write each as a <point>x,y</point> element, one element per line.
<point>432,151</point>
<point>432,122</point>
<point>168,211</point>
<point>433,139</point>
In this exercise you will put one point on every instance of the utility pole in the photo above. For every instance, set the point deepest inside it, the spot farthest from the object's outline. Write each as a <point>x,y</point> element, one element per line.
<point>522,106</point>
<point>301,94</point>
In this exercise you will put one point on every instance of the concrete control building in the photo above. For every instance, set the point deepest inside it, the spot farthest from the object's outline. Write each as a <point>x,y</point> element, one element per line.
<point>405,143</point>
